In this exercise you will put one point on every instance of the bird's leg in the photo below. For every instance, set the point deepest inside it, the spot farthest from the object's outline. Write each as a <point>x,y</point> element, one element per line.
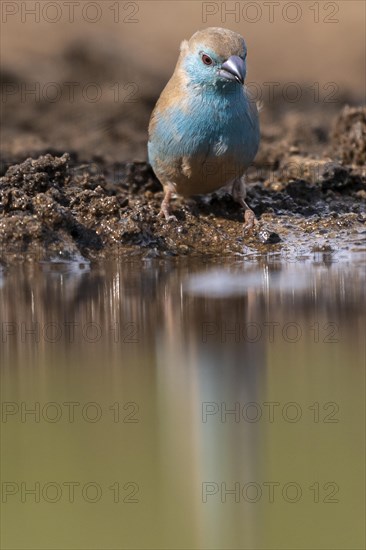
<point>165,205</point>
<point>239,193</point>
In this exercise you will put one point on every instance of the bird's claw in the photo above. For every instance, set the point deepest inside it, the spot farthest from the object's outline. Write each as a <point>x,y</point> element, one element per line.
<point>249,220</point>
<point>168,217</point>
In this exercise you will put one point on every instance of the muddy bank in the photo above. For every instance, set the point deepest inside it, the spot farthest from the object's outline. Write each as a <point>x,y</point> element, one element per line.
<point>57,207</point>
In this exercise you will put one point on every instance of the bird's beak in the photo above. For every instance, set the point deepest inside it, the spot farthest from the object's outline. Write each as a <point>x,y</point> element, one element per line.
<point>233,69</point>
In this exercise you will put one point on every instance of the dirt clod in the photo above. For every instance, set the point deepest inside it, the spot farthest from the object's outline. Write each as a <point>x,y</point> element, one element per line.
<point>348,141</point>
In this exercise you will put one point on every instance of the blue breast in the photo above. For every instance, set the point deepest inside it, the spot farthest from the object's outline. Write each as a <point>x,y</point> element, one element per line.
<point>214,124</point>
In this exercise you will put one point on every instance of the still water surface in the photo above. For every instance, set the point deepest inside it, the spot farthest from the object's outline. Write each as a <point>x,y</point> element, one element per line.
<point>183,405</point>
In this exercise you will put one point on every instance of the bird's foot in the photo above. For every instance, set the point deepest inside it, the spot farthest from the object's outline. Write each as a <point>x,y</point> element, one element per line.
<point>165,213</point>
<point>249,220</point>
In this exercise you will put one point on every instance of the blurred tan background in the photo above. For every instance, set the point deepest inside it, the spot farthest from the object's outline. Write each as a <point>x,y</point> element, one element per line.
<point>123,52</point>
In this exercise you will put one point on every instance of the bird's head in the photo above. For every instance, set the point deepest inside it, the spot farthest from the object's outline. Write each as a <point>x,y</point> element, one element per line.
<point>214,57</point>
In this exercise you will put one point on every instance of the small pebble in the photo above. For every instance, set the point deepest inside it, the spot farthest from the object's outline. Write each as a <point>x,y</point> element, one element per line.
<point>268,237</point>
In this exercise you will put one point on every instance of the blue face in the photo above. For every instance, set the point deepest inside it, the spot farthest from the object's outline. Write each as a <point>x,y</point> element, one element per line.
<point>204,67</point>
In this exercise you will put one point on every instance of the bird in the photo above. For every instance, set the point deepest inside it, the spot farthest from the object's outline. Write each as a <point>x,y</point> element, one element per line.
<point>204,130</point>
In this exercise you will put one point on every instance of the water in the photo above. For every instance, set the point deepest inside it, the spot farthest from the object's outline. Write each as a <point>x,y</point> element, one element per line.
<point>183,405</point>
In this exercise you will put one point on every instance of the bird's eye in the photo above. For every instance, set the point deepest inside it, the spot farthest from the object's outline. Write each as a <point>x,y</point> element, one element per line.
<point>206,59</point>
